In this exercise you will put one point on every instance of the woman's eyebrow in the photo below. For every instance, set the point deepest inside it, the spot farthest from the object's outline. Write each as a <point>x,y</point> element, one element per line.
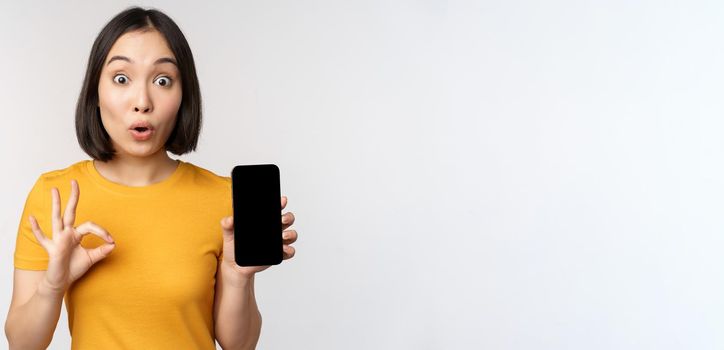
<point>158,61</point>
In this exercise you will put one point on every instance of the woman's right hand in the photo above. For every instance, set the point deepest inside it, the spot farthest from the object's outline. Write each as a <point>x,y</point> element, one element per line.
<point>68,260</point>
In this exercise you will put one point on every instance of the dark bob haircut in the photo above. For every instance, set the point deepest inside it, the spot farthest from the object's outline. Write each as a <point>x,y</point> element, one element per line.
<point>92,136</point>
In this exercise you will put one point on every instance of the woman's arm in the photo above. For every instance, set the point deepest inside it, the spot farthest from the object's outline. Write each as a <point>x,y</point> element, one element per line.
<point>237,321</point>
<point>38,295</point>
<point>34,311</point>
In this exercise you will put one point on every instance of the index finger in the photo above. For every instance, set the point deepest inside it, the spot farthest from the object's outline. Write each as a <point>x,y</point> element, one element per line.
<point>69,215</point>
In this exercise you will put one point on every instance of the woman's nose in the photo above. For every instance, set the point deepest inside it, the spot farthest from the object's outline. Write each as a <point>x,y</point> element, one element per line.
<point>143,101</point>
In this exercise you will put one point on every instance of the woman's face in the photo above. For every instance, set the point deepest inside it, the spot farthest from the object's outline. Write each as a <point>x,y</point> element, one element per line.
<point>140,82</point>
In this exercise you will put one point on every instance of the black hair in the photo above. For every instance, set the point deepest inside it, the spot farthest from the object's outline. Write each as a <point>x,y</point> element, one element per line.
<point>92,136</point>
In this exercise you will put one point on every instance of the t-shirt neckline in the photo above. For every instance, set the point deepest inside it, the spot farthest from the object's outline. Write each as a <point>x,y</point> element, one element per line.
<point>136,190</point>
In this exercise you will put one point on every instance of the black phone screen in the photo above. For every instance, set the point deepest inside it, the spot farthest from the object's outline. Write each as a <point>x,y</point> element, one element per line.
<point>257,215</point>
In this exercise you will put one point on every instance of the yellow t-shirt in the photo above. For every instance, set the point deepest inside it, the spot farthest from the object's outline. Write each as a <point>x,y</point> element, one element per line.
<point>156,289</point>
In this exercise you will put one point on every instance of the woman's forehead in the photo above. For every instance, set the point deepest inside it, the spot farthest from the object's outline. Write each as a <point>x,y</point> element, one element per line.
<point>140,47</point>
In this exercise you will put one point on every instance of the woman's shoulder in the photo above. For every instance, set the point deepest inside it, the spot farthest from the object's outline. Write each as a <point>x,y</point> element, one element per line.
<point>203,174</point>
<point>71,171</point>
<point>58,177</point>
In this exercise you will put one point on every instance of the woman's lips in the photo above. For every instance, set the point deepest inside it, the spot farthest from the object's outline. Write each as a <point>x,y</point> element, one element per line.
<point>141,135</point>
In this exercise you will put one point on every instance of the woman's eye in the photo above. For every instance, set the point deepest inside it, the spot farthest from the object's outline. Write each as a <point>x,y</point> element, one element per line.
<point>163,81</point>
<point>120,79</point>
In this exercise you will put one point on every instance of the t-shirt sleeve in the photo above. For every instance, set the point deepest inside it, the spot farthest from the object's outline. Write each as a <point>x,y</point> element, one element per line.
<point>29,254</point>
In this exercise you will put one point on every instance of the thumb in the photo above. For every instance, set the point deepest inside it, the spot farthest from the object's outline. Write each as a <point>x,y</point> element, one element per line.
<point>227,224</point>
<point>99,253</point>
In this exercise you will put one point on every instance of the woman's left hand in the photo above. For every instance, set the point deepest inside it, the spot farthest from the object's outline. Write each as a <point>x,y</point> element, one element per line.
<point>288,237</point>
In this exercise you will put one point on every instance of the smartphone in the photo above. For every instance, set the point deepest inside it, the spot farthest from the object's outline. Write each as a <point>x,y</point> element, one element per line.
<point>257,215</point>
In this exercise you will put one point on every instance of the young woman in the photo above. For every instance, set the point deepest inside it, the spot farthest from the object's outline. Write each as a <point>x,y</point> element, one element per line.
<point>145,260</point>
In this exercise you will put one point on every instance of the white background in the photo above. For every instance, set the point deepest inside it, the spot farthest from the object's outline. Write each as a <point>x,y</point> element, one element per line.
<point>465,175</point>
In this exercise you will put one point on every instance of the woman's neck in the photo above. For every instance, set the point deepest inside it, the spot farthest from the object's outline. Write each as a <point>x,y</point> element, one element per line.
<point>137,171</point>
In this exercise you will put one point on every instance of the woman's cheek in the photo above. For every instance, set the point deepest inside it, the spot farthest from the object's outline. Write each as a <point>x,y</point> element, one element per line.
<point>169,104</point>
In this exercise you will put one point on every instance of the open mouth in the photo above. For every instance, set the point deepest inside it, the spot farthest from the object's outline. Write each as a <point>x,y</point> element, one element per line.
<point>141,133</point>
<point>141,130</point>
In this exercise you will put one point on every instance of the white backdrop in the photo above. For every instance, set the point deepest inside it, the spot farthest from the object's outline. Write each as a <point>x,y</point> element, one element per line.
<point>465,175</point>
